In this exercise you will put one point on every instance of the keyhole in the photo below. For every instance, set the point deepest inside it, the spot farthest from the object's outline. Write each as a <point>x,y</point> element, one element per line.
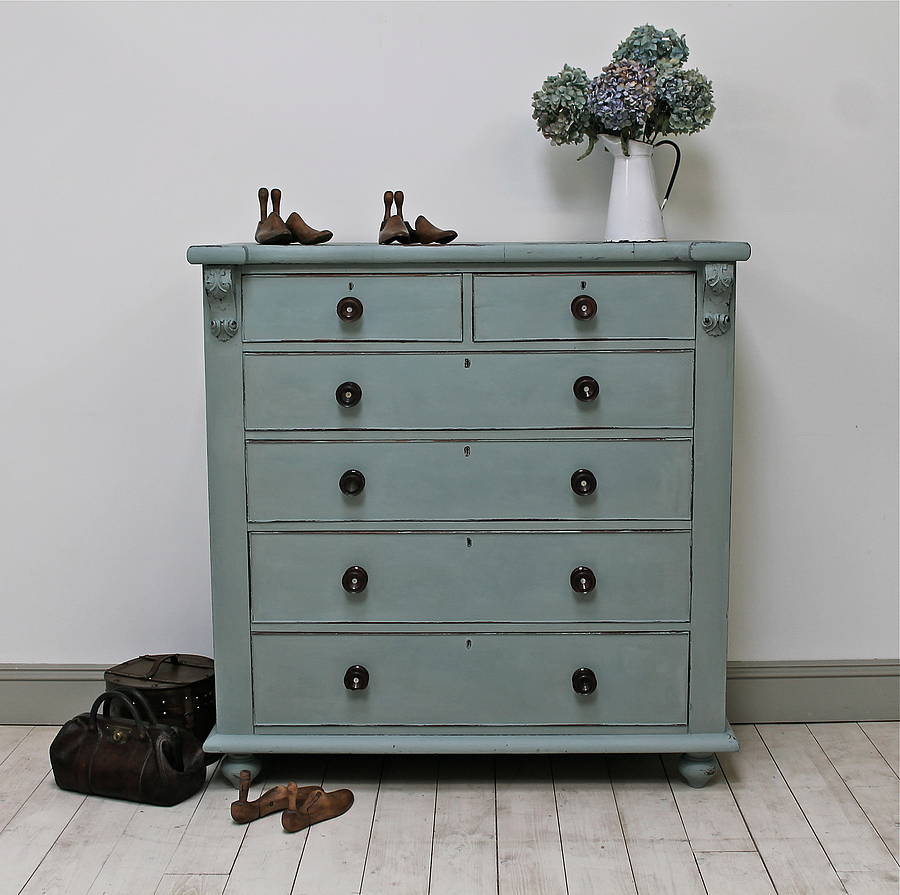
<point>467,363</point>
<point>350,287</point>
<point>467,450</point>
<point>468,542</point>
<point>583,285</point>
<point>468,644</point>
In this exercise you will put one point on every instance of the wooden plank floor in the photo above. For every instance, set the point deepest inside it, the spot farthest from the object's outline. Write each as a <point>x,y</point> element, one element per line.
<point>803,809</point>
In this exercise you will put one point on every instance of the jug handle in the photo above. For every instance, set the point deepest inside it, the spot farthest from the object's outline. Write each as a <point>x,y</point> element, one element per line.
<point>674,170</point>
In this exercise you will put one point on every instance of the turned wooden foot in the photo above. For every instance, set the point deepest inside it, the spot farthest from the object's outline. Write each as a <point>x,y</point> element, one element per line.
<point>697,768</point>
<point>232,765</point>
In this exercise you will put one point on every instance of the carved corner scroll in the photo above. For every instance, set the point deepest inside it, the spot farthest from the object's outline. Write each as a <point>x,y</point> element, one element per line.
<point>718,294</point>
<point>219,287</point>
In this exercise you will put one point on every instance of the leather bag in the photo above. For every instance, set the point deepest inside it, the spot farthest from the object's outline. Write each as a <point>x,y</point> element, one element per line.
<point>133,757</point>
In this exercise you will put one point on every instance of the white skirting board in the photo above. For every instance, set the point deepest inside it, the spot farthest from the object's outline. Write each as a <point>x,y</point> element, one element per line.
<point>758,692</point>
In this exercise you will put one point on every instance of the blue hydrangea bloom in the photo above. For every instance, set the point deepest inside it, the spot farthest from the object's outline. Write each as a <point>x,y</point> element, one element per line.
<point>623,96</point>
<point>649,45</point>
<point>689,95</point>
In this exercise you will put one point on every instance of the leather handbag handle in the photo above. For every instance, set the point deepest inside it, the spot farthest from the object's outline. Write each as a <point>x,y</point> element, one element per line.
<point>132,698</point>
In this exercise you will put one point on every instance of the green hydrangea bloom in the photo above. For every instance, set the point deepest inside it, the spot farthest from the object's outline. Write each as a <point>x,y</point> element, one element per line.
<point>561,110</point>
<point>649,45</point>
<point>689,97</point>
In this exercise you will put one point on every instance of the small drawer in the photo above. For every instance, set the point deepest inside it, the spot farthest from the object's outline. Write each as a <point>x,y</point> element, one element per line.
<point>538,390</point>
<point>471,577</point>
<point>360,481</point>
<point>483,679</point>
<point>567,307</point>
<point>298,308</point>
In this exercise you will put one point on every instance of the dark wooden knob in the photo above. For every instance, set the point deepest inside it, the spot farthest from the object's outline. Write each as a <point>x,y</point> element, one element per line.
<point>356,677</point>
<point>582,580</point>
<point>355,579</point>
<point>583,307</point>
<point>584,681</point>
<point>349,309</point>
<point>586,388</point>
<point>348,394</point>
<point>584,482</point>
<point>352,482</point>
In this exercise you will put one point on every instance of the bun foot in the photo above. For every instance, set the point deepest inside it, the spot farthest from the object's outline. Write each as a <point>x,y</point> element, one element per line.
<point>232,765</point>
<point>697,768</point>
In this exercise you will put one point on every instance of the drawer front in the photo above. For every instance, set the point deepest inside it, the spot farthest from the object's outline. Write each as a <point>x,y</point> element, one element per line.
<point>539,306</point>
<point>470,577</point>
<point>425,308</point>
<point>484,679</point>
<point>452,480</point>
<point>478,391</point>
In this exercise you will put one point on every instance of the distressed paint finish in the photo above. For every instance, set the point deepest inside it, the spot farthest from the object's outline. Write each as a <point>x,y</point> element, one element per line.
<point>466,356</point>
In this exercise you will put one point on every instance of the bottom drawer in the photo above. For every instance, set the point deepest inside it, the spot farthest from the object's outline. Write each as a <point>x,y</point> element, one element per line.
<point>477,679</point>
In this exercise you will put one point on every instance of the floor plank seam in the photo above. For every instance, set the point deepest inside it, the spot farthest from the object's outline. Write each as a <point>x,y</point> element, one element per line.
<point>24,801</point>
<point>15,746</point>
<point>562,846</point>
<point>875,745</point>
<point>850,791</point>
<point>612,789</point>
<point>362,877</point>
<point>437,786</point>
<point>750,832</point>
<point>681,819</point>
<point>800,807</point>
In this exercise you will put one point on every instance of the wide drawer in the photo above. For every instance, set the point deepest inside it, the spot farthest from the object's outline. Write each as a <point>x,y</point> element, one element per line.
<point>452,480</point>
<point>470,577</point>
<point>484,679</point>
<point>299,308</point>
<point>521,307</point>
<point>475,391</point>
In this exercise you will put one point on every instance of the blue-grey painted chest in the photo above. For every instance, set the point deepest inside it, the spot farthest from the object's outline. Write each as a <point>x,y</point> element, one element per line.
<point>470,498</point>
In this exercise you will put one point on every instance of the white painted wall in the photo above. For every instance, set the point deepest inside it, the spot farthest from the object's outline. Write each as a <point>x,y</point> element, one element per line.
<point>132,131</point>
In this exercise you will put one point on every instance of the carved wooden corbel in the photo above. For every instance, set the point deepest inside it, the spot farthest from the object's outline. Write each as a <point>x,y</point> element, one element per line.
<point>718,293</point>
<point>219,288</point>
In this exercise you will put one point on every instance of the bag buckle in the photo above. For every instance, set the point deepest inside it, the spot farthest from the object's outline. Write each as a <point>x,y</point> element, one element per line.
<point>119,735</point>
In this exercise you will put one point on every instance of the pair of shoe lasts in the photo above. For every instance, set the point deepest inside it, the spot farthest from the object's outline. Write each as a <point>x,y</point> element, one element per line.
<point>395,229</point>
<point>272,230</point>
<point>301,806</point>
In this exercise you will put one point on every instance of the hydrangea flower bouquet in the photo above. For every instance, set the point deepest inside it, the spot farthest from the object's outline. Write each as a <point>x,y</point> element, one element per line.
<point>644,93</point>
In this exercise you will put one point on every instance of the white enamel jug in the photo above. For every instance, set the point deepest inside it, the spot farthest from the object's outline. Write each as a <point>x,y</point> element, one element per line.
<point>634,213</point>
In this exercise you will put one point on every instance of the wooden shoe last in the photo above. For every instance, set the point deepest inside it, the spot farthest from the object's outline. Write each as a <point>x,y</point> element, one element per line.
<point>305,810</point>
<point>272,800</point>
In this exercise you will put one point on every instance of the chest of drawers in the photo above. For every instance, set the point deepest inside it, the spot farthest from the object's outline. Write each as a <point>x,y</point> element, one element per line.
<point>470,498</point>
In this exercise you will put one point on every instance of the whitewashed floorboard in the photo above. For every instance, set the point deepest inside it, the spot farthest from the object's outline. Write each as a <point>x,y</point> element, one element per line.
<point>31,832</point>
<point>886,737</point>
<point>24,769</point>
<point>596,857</point>
<point>78,855</point>
<point>269,857</point>
<point>871,882</point>
<point>785,841</point>
<point>867,775</point>
<point>212,839</point>
<point>139,858</point>
<point>730,873</point>
<point>464,853</point>
<point>335,852</point>
<point>198,884</point>
<point>529,850</point>
<point>10,737</point>
<point>661,855</point>
<point>841,826</point>
<point>711,817</point>
<point>399,859</point>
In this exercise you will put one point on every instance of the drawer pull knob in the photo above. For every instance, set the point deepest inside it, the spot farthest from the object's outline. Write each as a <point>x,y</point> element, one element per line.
<point>355,579</point>
<point>586,388</point>
<point>584,681</point>
<point>356,678</point>
<point>352,482</point>
<point>583,307</point>
<point>584,482</point>
<point>349,309</point>
<point>348,394</point>
<point>582,580</point>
